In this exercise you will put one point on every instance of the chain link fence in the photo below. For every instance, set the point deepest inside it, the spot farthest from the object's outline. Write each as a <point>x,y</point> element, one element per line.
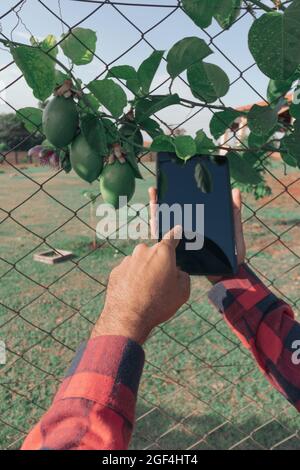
<point>200,389</point>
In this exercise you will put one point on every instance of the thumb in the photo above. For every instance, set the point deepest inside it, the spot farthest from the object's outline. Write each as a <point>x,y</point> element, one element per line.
<point>238,226</point>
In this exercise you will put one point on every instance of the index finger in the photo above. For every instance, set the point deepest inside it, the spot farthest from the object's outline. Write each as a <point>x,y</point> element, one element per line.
<point>173,237</point>
<point>238,226</point>
<point>153,211</point>
<point>152,195</point>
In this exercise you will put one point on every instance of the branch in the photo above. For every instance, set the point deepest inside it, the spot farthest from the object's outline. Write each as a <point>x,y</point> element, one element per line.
<point>264,148</point>
<point>203,105</point>
<point>262,5</point>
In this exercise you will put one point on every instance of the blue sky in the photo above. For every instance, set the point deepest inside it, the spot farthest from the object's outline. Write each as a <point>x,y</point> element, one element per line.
<point>116,35</point>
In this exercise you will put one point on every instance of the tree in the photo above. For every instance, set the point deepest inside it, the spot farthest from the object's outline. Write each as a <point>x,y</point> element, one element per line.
<point>13,134</point>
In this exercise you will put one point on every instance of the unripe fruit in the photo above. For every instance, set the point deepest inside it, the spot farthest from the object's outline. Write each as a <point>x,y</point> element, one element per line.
<point>85,161</point>
<point>60,121</point>
<point>117,180</point>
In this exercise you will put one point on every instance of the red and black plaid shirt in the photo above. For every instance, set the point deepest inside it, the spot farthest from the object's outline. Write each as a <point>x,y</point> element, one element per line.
<point>95,405</point>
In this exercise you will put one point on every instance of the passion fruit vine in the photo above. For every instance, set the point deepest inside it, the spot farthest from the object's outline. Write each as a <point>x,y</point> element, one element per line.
<point>88,143</point>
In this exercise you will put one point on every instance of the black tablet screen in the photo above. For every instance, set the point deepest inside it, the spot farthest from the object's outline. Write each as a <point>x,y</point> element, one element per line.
<point>199,189</point>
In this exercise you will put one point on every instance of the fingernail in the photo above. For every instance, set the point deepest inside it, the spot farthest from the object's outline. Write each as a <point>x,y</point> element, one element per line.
<point>177,232</point>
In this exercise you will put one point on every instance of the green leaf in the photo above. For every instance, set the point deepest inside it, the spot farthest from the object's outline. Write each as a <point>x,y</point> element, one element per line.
<point>201,12</point>
<point>185,53</point>
<point>203,178</point>
<point>65,162</point>
<point>124,72</point>
<point>260,190</point>
<point>49,45</point>
<point>262,119</point>
<point>278,89</point>
<point>145,107</point>
<point>94,132</point>
<point>222,121</point>
<point>111,131</point>
<point>31,118</point>
<point>128,73</point>
<point>134,87</point>
<point>241,170</point>
<point>91,100</point>
<point>162,143</point>
<point>148,69</point>
<point>60,77</point>
<point>37,68</point>
<point>207,81</point>
<point>274,40</point>
<point>132,160</point>
<point>258,140</point>
<point>295,111</point>
<point>151,127</point>
<point>111,95</point>
<point>289,159</point>
<point>253,158</point>
<point>227,11</point>
<point>185,146</point>
<point>204,144</point>
<point>79,45</point>
<point>290,143</point>
<point>132,142</point>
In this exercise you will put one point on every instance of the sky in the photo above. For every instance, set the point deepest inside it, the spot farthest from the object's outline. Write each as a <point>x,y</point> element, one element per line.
<point>116,36</point>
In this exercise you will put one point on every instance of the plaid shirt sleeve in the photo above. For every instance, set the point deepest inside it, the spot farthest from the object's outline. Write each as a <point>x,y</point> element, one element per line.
<point>95,405</point>
<point>265,325</point>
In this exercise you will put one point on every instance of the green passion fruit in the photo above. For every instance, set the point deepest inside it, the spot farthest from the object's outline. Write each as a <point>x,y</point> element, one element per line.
<point>85,161</point>
<point>60,121</point>
<point>117,179</point>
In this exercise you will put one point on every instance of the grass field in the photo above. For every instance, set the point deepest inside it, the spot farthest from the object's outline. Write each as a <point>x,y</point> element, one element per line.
<point>200,389</point>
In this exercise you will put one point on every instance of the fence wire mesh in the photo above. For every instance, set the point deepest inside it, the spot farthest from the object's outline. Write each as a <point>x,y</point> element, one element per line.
<point>200,388</point>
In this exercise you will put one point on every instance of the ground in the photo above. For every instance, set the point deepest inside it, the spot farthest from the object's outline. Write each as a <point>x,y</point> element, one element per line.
<point>200,388</point>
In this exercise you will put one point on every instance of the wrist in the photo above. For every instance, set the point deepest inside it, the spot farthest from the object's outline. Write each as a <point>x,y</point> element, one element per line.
<point>108,325</point>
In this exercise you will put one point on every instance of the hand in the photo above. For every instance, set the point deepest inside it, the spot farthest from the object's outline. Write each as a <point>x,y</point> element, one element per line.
<point>146,289</point>
<point>238,227</point>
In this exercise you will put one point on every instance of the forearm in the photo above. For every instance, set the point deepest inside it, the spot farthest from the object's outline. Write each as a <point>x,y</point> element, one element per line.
<point>265,325</point>
<point>94,407</point>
